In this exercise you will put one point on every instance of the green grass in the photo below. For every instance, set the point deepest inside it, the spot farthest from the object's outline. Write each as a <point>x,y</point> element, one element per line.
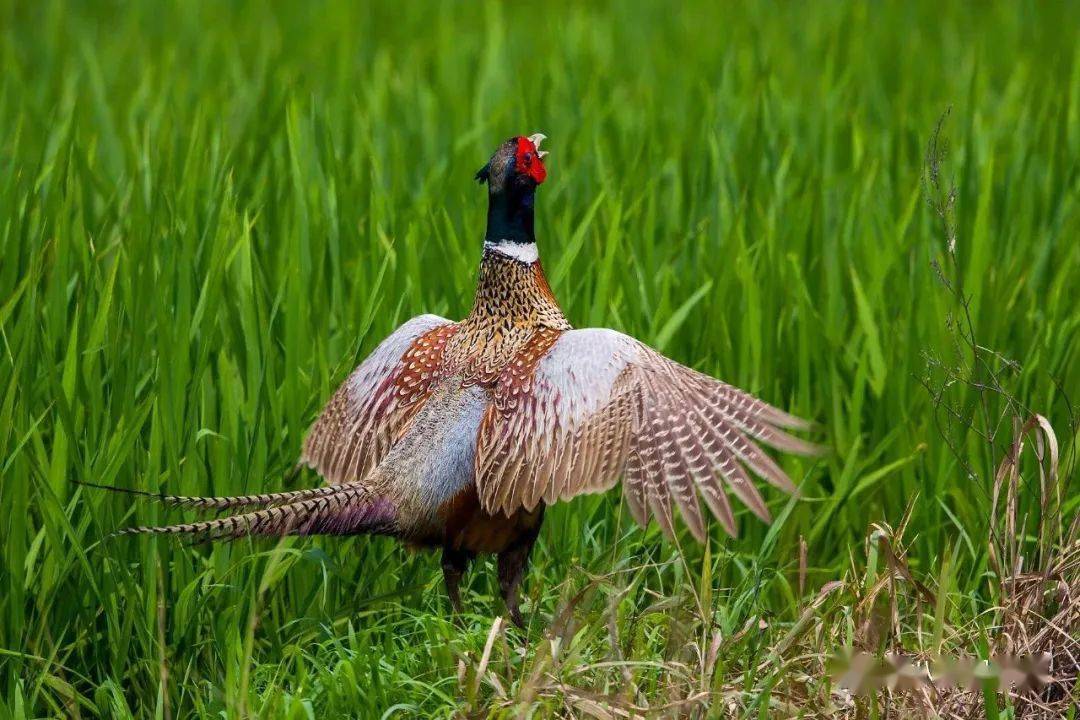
<point>210,212</point>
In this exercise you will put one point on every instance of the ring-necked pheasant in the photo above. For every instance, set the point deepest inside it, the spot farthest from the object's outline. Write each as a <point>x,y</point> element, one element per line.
<point>456,435</point>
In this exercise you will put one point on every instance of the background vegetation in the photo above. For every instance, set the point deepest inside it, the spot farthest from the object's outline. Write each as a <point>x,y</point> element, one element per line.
<point>209,212</point>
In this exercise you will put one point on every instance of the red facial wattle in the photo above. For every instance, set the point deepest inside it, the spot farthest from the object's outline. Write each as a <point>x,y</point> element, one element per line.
<point>528,161</point>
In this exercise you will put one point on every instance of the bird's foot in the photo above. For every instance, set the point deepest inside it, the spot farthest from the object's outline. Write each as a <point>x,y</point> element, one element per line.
<point>453,567</point>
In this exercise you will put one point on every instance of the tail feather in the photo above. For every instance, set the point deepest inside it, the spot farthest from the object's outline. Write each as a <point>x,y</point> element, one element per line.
<point>230,502</point>
<point>348,510</point>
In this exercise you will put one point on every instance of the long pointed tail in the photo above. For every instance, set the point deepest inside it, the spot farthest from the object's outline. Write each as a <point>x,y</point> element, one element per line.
<point>230,502</point>
<point>346,510</point>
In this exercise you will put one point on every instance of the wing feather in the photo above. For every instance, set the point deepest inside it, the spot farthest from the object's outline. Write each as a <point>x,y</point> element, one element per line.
<point>371,408</point>
<point>601,406</point>
<point>634,489</point>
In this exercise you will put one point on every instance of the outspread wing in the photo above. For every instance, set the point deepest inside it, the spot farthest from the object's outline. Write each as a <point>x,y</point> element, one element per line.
<point>601,406</point>
<point>371,408</point>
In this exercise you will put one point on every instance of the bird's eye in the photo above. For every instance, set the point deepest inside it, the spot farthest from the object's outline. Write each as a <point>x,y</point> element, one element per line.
<point>527,158</point>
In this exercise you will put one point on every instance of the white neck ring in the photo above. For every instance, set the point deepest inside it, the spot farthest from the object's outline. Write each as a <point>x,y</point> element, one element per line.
<point>522,252</point>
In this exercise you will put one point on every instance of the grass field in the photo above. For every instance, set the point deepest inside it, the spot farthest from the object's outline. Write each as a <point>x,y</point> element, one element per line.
<point>210,212</point>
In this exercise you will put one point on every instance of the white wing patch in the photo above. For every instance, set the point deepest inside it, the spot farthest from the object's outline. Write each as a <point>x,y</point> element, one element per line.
<point>580,370</point>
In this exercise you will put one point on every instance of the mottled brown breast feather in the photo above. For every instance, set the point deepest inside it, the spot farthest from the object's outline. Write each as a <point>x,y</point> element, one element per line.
<point>513,305</point>
<point>516,379</point>
<point>422,364</point>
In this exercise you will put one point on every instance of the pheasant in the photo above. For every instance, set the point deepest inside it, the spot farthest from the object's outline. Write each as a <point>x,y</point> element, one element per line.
<point>456,435</point>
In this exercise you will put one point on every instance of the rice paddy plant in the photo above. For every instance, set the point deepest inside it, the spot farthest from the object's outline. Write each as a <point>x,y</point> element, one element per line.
<point>210,212</point>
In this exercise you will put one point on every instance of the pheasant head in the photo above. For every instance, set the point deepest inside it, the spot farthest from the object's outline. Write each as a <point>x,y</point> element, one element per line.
<point>512,176</point>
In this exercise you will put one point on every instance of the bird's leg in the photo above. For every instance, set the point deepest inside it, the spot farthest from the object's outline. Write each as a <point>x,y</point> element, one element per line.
<point>454,563</point>
<point>512,563</point>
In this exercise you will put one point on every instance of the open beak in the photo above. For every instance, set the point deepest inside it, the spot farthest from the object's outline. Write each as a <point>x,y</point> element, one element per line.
<point>536,139</point>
